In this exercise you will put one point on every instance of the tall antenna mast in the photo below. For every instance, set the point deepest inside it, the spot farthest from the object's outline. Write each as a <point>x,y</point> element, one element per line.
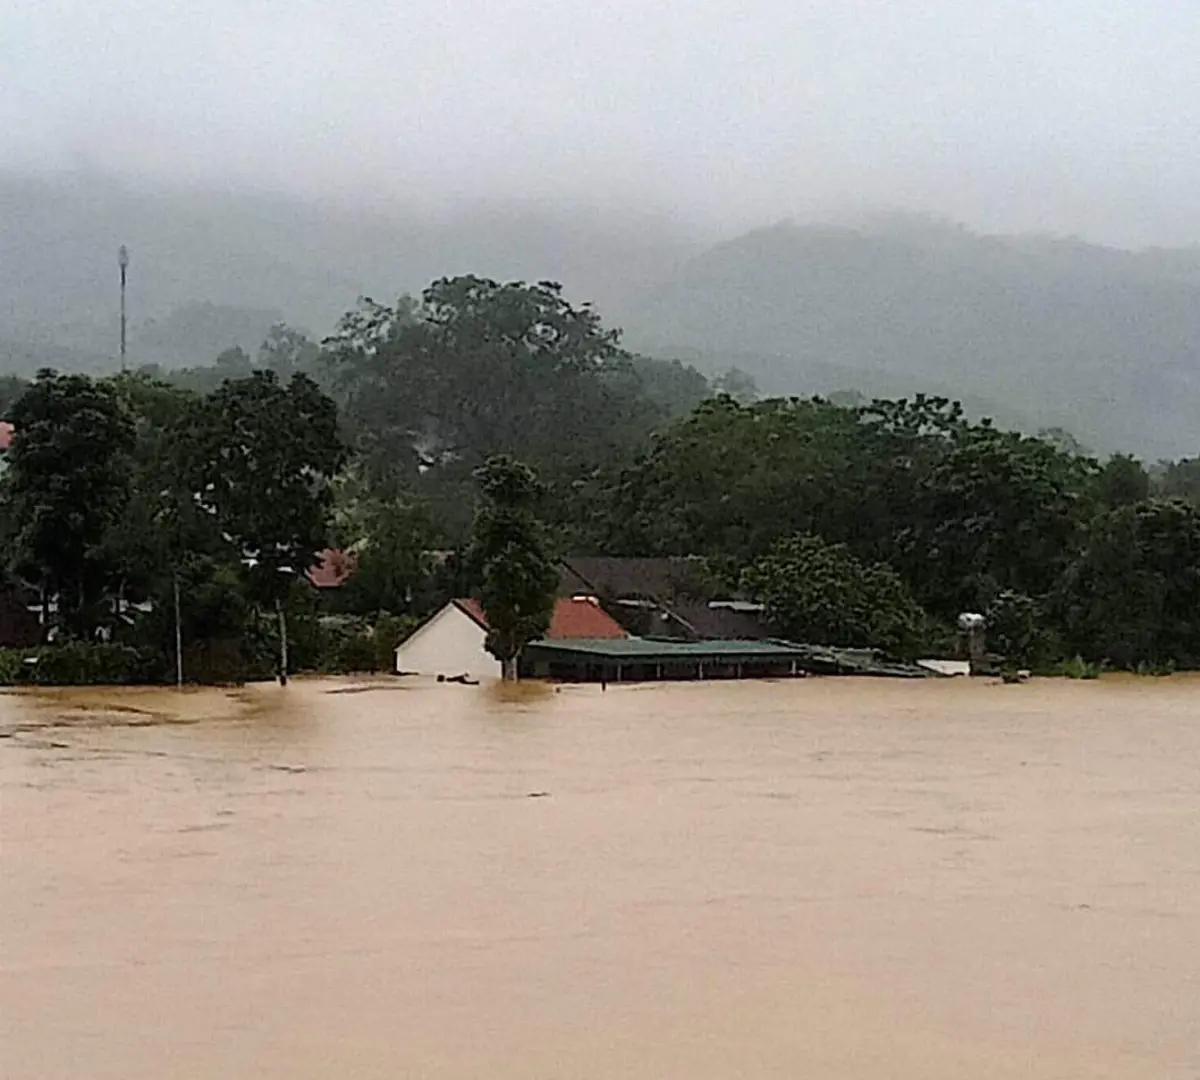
<point>123,263</point>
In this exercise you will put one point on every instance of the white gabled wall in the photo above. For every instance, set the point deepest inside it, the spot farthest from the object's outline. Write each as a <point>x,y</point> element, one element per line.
<point>451,643</point>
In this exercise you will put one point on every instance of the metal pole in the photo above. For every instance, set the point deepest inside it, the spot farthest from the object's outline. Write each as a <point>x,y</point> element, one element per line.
<point>178,637</point>
<point>283,643</point>
<point>123,263</point>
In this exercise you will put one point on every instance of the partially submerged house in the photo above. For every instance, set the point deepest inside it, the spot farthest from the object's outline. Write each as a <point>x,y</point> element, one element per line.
<point>628,620</point>
<point>451,642</point>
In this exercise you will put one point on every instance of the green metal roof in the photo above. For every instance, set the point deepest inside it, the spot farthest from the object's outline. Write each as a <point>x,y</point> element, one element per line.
<point>634,648</point>
<point>818,659</point>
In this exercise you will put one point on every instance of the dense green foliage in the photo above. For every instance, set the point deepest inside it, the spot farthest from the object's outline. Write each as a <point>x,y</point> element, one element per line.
<point>121,495</point>
<point>819,592</point>
<point>78,663</point>
<point>66,485</point>
<point>960,510</point>
<point>449,444</point>
<point>1133,594</point>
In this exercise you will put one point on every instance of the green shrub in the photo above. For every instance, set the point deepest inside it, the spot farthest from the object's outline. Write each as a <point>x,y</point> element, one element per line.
<point>11,663</point>
<point>389,631</point>
<point>80,663</point>
<point>1017,628</point>
<point>355,645</point>
<point>1078,668</point>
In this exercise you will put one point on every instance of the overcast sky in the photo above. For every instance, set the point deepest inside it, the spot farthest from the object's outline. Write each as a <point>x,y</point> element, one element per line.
<point>1070,116</point>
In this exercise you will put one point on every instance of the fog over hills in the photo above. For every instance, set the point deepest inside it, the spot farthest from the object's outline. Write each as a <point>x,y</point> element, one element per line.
<point>1058,332</point>
<point>1037,331</point>
<point>197,254</point>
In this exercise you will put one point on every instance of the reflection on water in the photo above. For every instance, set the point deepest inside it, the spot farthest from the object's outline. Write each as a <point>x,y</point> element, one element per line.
<point>826,878</point>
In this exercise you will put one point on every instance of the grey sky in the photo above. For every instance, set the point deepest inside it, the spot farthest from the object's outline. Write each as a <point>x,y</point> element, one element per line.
<point>1059,115</point>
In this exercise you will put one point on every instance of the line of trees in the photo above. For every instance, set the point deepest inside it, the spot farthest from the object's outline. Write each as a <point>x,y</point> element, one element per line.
<point>454,441</point>
<point>126,499</point>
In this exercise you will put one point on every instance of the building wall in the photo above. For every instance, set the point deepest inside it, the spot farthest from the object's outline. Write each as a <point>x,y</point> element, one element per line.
<point>451,643</point>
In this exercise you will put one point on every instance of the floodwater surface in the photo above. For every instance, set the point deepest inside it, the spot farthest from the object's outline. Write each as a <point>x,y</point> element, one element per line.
<point>839,879</point>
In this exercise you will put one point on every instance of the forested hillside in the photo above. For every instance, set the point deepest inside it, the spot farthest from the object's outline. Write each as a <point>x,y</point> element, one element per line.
<point>1047,333</point>
<point>1037,333</point>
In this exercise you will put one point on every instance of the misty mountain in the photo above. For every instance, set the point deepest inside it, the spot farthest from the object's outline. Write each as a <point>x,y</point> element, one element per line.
<point>1105,343</point>
<point>199,256</point>
<point>1036,332</point>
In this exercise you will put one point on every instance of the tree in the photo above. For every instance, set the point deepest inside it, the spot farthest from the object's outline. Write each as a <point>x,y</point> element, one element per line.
<point>164,540</point>
<point>733,480</point>
<point>1121,481</point>
<point>1132,596</point>
<point>1180,480</point>
<point>511,556</point>
<point>670,385</point>
<point>233,363</point>
<point>288,352</point>
<point>820,593</point>
<point>738,384</point>
<point>67,484</point>
<point>1018,627</point>
<point>477,367</point>
<point>267,458</point>
<point>11,388</point>
<point>993,510</point>
<point>391,541</point>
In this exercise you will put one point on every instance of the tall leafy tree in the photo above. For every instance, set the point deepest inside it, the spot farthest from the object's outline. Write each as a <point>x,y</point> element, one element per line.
<point>11,388</point>
<point>1121,481</point>
<point>67,484</point>
<point>996,511</point>
<point>391,541</point>
<point>164,544</point>
<point>1133,595</point>
<point>267,457</point>
<point>1180,480</point>
<point>289,352</point>
<point>476,367</point>
<point>512,557</point>
<point>819,592</point>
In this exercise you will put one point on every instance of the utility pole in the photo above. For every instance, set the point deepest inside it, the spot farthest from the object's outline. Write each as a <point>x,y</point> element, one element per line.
<point>123,263</point>
<point>178,634</point>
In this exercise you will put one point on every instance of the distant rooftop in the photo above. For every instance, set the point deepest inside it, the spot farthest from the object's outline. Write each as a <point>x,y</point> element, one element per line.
<point>333,569</point>
<point>574,619</point>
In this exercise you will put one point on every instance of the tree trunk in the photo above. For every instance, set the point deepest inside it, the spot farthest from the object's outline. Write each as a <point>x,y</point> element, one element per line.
<point>178,634</point>
<point>283,644</point>
<point>509,669</point>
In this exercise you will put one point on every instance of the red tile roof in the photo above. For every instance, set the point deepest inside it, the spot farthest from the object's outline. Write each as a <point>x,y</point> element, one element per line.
<point>573,618</point>
<point>6,434</point>
<point>333,570</point>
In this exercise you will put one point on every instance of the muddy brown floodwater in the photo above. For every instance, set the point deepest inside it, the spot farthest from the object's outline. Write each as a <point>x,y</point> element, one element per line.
<point>828,879</point>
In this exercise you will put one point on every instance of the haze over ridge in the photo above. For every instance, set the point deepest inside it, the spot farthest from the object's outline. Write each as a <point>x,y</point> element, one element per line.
<point>1069,118</point>
<point>270,160</point>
